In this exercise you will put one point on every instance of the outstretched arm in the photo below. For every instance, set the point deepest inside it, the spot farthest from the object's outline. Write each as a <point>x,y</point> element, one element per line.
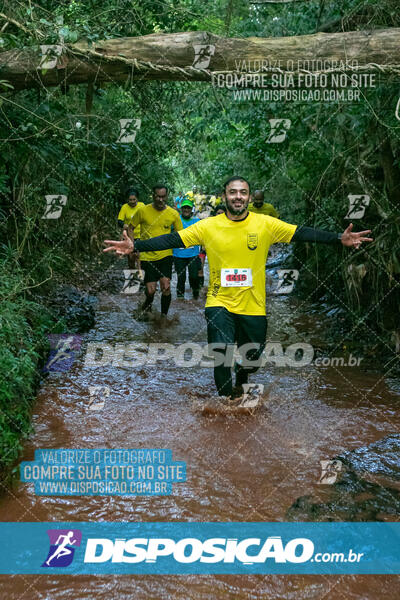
<point>161,242</point>
<point>347,238</point>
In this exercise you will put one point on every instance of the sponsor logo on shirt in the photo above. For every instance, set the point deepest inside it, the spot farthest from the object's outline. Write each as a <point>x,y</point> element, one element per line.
<point>252,241</point>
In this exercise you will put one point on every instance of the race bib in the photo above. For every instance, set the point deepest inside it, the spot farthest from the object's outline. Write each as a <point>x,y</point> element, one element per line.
<point>236,278</point>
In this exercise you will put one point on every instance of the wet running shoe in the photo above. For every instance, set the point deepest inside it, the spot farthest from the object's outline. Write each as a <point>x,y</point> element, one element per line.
<point>142,314</point>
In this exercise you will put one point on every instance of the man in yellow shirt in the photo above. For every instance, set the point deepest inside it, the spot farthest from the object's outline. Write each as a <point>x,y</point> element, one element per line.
<point>124,218</point>
<point>154,220</point>
<point>237,245</point>
<point>260,207</point>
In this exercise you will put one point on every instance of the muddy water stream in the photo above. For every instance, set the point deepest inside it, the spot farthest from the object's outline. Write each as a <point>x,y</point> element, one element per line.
<point>238,468</point>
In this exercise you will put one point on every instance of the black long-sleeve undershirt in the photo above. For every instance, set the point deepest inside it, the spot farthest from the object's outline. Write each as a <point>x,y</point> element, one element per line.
<point>309,234</point>
<point>161,242</point>
<point>174,240</point>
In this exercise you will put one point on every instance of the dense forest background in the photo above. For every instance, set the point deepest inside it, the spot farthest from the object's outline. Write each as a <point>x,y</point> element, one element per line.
<point>63,141</point>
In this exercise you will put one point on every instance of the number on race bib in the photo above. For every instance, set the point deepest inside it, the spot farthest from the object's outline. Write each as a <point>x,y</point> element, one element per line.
<point>236,278</point>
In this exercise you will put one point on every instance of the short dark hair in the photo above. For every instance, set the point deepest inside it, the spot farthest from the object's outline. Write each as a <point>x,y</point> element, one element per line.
<point>132,191</point>
<point>235,178</point>
<point>160,186</point>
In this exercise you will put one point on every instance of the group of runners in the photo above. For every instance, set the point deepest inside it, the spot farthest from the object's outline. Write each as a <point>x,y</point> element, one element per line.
<point>145,224</point>
<point>236,242</point>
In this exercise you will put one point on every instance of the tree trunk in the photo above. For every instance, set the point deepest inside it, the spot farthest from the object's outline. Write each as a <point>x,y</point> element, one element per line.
<point>172,57</point>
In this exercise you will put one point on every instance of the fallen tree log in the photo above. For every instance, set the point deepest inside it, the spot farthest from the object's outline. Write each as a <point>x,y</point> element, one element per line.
<point>199,56</point>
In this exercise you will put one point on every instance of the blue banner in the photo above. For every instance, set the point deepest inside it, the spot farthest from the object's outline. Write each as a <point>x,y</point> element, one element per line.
<point>190,548</point>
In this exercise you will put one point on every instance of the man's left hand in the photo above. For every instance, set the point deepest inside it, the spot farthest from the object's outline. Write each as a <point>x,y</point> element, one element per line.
<point>352,239</point>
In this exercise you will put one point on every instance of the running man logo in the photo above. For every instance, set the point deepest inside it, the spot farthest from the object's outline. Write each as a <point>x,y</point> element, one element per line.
<point>330,470</point>
<point>54,206</point>
<point>279,129</point>
<point>357,206</point>
<point>98,394</point>
<point>252,241</point>
<point>49,57</point>
<point>128,130</point>
<point>287,279</point>
<point>252,394</point>
<point>63,350</point>
<point>133,277</point>
<point>202,55</point>
<point>63,543</point>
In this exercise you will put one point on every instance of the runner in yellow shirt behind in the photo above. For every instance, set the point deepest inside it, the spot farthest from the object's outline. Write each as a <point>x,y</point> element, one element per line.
<point>124,218</point>
<point>260,207</point>
<point>156,219</point>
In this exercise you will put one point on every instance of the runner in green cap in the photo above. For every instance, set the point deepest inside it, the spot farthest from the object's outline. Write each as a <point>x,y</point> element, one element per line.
<point>187,258</point>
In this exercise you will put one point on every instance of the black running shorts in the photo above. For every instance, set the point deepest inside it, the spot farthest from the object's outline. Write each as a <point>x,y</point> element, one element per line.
<point>155,269</point>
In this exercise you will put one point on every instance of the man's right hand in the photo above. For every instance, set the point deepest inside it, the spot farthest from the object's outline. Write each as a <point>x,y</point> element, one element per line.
<point>124,247</point>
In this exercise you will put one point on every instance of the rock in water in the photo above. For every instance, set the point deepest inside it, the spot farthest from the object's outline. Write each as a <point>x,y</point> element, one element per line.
<point>380,458</point>
<point>75,307</point>
<point>366,489</point>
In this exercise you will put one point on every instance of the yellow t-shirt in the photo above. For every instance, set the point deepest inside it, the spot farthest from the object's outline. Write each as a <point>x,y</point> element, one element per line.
<point>266,209</point>
<point>126,213</point>
<point>156,222</point>
<point>238,245</point>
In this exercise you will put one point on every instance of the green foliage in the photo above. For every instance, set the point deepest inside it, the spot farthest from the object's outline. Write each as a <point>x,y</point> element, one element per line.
<point>23,324</point>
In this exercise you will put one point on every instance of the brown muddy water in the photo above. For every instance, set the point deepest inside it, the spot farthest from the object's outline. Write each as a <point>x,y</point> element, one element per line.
<point>238,468</point>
